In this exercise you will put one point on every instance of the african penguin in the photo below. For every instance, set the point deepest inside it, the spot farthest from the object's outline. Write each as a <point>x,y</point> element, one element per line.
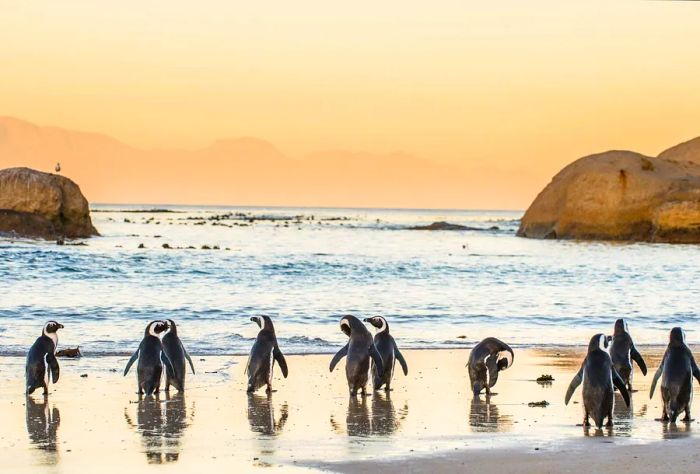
<point>678,368</point>
<point>177,354</point>
<point>41,359</point>
<point>623,352</point>
<point>263,355</point>
<point>359,349</point>
<point>388,350</point>
<point>151,359</point>
<point>598,376</point>
<point>486,359</point>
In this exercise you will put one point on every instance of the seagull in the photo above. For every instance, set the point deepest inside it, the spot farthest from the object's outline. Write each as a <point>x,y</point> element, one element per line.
<point>58,167</point>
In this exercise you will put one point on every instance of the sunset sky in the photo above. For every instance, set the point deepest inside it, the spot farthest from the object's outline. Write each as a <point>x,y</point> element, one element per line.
<point>511,91</point>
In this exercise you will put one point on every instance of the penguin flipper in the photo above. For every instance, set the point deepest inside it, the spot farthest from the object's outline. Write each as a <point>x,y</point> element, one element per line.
<point>694,366</point>
<point>377,358</point>
<point>189,359</point>
<point>402,361</point>
<point>637,357</point>
<point>168,365</point>
<point>53,366</point>
<point>492,366</point>
<point>131,361</point>
<point>658,373</point>
<point>279,357</point>
<point>575,382</point>
<point>620,385</point>
<point>339,355</point>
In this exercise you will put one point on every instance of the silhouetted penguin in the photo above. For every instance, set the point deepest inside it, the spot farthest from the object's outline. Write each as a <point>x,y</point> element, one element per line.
<point>678,368</point>
<point>151,359</point>
<point>41,359</point>
<point>176,353</point>
<point>389,352</point>
<point>598,376</point>
<point>359,349</point>
<point>263,355</point>
<point>623,352</point>
<point>485,361</point>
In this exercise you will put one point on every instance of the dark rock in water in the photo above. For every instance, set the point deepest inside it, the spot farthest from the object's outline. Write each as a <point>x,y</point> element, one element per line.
<point>72,353</point>
<point>42,205</point>
<point>543,403</point>
<point>141,246</point>
<point>167,246</point>
<point>441,225</point>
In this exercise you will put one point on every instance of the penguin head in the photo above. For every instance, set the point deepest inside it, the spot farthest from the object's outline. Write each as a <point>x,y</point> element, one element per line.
<point>263,322</point>
<point>620,327</point>
<point>598,342</point>
<point>350,323</point>
<point>378,322</point>
<point>51,327</point>
<point>156,327</point>
<point>677,335</point>
<point>172,327</point>
<point>505,358</point>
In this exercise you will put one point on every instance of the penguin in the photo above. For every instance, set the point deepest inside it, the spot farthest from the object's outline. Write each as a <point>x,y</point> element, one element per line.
<point>486,359</point>
<point>177,354</point>
<point>598,376</point>
<point>359,349</point>
<point>623,352</point>
<point>41,359</point>
<point>388,350</point>
<point>678,368</point>
<point>151,359</point>
<point>263,355</point>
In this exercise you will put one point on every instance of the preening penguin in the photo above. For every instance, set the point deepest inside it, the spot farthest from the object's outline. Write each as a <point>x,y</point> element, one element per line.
<point>41,359</point>
<point>359,349</point>
<point>177,354</point>
<point>678,368</point>
<point>485,361</point>
<point>389,352</point>
<point>151,359</point>
<point>263,354</point>
<point>598,376</point>
<point>623,352</point>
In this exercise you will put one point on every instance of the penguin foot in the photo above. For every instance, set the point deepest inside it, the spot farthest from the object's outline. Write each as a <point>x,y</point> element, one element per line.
<point>609,424</point>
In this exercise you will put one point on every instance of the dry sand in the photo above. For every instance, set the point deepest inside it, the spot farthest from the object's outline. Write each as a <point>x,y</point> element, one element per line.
<point>430,422</point>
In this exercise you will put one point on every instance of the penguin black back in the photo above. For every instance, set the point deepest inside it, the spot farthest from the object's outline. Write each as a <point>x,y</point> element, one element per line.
<point>359,349</point>
<point>486,359</point>
<point>263,354</point>
<point>623,352</point>
<point>389,352</point>
<point>178,356</point>
<point>678,368</point>
<point>151,359</point>
<point>41,359</point>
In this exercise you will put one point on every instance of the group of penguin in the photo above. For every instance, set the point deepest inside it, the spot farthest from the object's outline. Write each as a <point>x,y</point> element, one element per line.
<point>606,367</point>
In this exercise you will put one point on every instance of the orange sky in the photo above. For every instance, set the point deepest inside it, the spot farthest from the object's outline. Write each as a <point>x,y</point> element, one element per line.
<point>502,89</point>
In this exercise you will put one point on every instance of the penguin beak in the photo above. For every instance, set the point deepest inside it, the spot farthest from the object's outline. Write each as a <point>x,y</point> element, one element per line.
<point>253,319</point>
<point>60,326</point>
<point>367,320</point>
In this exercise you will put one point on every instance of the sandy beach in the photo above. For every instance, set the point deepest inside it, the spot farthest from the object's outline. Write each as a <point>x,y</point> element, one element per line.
<point>429,423</point>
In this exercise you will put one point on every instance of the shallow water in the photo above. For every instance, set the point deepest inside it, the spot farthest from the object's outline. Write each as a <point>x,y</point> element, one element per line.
<point>307,267</point>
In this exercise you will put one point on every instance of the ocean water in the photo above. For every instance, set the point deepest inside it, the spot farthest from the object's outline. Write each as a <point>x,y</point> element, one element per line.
<point>308,267</point>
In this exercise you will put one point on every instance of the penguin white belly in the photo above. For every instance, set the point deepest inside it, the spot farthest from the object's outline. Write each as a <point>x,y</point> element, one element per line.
<point>46,371</point>
<point>272,366</point>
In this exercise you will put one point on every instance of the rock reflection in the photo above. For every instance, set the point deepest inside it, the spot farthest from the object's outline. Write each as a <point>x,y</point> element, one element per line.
<point>42,427</point>
<point>261,415</point>
<point>382,420</point>
<point>485,417</point>
<point>161,424</point>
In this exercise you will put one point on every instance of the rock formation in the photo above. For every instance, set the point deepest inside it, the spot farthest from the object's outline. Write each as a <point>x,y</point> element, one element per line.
<point>622,195</point>
<point>42,205</point>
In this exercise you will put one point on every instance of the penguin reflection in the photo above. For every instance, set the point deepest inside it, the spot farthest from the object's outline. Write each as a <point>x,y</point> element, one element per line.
<point>381,421</point>
<point>42,425</point>
<point>485,417</point>
<point>261,415</point>
<point>161,424</point>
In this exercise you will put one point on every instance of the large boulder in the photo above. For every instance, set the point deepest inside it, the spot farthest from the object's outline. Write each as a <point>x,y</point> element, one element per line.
<point>622,195</point>
<point>43,205</point>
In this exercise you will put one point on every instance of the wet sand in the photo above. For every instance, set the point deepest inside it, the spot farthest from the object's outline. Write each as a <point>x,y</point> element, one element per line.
<point>430,422</point>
